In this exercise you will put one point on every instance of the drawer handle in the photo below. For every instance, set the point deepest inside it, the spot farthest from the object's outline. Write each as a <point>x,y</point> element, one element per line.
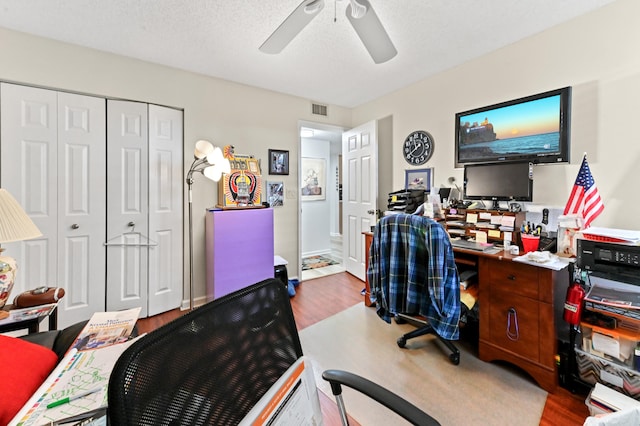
<point>511,277</point>
<point>513,329</point>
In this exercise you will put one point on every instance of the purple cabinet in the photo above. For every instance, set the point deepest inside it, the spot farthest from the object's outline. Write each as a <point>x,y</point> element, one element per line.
<point>239,249</point>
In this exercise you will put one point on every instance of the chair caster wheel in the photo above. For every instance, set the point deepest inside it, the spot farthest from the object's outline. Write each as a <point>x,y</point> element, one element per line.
<point>455,358</point>
<point>402,342</point>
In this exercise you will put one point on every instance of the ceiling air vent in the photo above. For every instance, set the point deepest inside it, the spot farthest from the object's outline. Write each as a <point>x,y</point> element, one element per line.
<point>318,109</point>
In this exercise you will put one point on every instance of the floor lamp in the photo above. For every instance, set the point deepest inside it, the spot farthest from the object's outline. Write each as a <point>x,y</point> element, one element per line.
<point>209,161</point>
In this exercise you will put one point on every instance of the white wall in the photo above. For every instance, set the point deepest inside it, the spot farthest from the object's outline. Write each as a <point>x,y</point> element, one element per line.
<point>316,215</point>
<point>595,53</point>
<point>251,119</point>
<point>332,188</point>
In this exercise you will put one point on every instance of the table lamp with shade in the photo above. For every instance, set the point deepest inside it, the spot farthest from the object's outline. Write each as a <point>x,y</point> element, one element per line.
<point>15,225</point>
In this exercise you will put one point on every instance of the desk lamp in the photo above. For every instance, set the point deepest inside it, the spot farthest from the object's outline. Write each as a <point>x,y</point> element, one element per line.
<point>15,225</point>
<point>209,161</point>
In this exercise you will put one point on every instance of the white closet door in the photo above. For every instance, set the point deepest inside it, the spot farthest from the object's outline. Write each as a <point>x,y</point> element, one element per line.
<point>53,147</point>
<point>165,209</point>
<point>28,166</point>
<point>81,205</point>
<point>127,206</point>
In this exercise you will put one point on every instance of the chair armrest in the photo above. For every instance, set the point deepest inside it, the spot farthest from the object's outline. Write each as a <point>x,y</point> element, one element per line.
<point>400,406</point>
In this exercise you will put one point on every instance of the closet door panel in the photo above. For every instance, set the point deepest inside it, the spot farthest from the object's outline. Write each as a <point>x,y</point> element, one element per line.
<point>28,170</point>
<point>127,206</point>
<point>165,208</point>
<point>81,205</point>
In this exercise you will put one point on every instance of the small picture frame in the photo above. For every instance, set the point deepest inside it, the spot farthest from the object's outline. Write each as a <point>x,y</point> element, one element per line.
<point>278,162</point>
<point>418,179</point>
<point>275,193</point>
<point>314,179</point>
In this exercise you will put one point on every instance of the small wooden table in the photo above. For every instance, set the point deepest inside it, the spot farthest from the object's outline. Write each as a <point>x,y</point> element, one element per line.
<point>29,318</point>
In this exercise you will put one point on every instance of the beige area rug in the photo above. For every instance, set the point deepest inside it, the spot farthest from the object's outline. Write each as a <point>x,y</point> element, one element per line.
<point>471,393</point>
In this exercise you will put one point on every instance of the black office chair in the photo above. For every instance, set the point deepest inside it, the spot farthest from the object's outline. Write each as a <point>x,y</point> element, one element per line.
<point>212,365</point>
<point>402,250</point>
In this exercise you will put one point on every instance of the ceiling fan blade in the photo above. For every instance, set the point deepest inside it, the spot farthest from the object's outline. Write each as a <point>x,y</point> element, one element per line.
<point>299,18</point>
<point>371,32</point>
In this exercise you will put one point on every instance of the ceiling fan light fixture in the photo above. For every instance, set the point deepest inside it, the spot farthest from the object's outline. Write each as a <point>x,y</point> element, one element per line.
<point>361,16</point>
<point>357,10</point>
<point>314,7</point>
<point>291,26</point>
<point>371,32</point>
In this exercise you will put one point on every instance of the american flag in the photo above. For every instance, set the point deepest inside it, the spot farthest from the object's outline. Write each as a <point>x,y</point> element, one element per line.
<point>584,199</point>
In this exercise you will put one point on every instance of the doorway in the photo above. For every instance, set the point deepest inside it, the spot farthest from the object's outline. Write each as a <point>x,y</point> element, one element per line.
<point>320,176</point>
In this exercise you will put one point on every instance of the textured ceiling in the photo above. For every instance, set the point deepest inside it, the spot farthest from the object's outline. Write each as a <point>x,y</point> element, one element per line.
<point>325,63</point>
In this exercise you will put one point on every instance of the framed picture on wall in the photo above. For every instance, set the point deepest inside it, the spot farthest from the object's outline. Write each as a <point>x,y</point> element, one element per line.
<point>278,162</point>
<point>418,179</point>
<point>313,186</point>
<point>275,193</point>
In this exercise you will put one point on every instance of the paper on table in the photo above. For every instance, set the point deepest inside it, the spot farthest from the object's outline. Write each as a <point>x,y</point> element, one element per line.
<point>494,233</point>
<point>556,264</point>
<point>481,237</point>
<point>485,215</point>
<point>472,218</point>
<point>508,221</point>
<point>606,344</point>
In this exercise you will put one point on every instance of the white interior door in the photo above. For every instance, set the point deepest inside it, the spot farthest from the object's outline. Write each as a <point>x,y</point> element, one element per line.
<point>127,206</point>
<point>28,164</point>
<point>53,148</point>
<point>165,209</point>
<point>81,206</point>
<point>359,193</point>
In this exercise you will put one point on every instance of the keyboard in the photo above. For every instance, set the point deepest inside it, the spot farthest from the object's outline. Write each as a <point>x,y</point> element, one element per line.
<point>471,245</point>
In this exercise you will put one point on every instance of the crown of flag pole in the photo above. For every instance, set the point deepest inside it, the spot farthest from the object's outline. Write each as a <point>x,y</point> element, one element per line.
<point>584,199</point>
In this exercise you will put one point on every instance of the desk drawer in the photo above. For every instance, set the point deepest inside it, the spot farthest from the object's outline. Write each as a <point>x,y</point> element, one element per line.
<point>514,277</point>
<point>513,324</point>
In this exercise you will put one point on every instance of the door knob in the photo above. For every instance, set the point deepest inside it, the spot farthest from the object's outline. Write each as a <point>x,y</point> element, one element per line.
<point>75,226</point>
<point>371,211</point>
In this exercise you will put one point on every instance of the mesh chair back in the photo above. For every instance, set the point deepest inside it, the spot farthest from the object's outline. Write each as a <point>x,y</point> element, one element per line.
<point>210,366</point>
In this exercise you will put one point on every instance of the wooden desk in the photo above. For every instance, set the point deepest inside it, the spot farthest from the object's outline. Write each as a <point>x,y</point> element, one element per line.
<point>368,238</point>
<point>517,316</point>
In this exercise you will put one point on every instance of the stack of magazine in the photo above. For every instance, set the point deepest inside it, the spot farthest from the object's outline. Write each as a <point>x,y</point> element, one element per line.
<point>76,390</point>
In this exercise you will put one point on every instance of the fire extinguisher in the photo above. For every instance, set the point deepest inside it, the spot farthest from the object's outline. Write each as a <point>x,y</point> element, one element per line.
<point>573,302</point>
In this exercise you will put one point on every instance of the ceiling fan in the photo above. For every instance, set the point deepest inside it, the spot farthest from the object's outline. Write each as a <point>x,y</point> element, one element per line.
<point>359,13</point>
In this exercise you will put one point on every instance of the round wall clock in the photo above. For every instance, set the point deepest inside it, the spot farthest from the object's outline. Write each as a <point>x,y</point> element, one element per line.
<point>418,147</point>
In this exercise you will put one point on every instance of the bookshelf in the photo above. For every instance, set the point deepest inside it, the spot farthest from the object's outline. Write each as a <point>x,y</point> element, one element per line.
<point>465,223</point>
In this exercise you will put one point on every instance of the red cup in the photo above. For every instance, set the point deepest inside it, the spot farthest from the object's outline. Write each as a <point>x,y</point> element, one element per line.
<point>530,242</point>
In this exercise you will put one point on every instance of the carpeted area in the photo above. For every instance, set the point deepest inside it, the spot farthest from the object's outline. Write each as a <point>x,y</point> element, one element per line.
<point>315,262</point>
<point>472,393</point>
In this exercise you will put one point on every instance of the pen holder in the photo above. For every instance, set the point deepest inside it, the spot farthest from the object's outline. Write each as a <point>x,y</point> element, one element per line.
<point>529,242</point>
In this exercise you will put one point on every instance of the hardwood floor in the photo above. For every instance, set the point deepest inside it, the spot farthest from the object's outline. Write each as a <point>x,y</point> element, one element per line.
<point>320,298</point>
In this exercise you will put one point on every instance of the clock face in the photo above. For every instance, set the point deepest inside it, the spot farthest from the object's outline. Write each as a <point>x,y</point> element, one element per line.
<point>418,147</point>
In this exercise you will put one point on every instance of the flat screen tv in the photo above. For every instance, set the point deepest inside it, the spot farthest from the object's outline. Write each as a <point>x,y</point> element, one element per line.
<point>535,128</point>
<point>508,181</point>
